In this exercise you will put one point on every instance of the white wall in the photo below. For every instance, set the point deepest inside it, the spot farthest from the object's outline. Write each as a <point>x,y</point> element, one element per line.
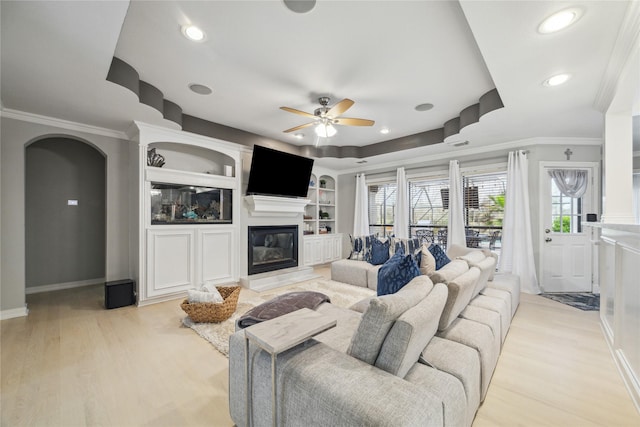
<point>15,136</point>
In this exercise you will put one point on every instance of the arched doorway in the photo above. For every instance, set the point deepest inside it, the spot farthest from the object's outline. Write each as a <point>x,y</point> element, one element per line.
<point>65,214</point>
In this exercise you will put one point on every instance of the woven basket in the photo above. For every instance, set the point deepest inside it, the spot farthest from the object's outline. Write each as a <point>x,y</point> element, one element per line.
<point>209,312</point>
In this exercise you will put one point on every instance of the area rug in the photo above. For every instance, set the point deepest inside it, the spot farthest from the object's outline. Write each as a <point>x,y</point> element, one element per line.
<point>583,300</point>
<point>217,334</point>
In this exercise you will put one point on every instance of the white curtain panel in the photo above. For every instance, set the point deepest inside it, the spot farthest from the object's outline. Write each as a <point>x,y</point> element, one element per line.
<point>636,196</point>
<point>516,255</point>
<point>455,232</point>
<point>570,182</point>
<point>360,216</point>
<point>401,217</point>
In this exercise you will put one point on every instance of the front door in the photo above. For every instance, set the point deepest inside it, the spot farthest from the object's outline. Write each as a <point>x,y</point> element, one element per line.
<point>565,247</point>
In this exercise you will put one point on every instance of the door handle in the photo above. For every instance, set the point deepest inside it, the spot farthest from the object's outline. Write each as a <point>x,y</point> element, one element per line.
<point>546,230</point>
<point>548,239</point>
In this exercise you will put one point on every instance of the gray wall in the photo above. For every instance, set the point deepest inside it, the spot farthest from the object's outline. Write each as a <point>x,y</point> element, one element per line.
<point>64,243</point>
<point>537,153</point>
<point>16,135</point>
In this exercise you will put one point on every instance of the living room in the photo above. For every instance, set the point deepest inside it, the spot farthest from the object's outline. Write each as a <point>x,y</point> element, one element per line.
<point>599,144</point>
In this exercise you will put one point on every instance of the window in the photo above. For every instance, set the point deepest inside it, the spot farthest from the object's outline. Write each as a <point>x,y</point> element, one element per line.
<point>483,200</point>
<point>566,212</point>
<point>428,202</point>
<point>382,204</point>
<point>484,196</point>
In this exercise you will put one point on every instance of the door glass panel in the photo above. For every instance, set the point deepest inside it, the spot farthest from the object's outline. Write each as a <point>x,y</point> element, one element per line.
<point>566,212</point>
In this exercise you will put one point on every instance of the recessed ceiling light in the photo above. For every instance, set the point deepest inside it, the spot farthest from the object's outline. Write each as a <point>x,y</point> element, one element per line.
<point>200,89</point>
<point>193,33</point>
<point>556,80</point>
<point>300,6</point>
<point>424,107</point>
<point>298,135</point>
<point>384,131</point>
<point>559,20</point>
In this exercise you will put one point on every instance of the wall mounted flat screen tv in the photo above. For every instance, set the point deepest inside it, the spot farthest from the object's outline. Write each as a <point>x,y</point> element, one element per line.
<point>276,173</point>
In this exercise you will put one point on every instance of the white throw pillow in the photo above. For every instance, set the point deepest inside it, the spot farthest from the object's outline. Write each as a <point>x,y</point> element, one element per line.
<point>196,296</point>
<point>207,293</point>
<point>428,262</point>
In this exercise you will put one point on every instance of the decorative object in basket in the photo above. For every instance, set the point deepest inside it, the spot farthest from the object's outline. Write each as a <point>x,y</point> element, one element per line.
<point>208,312</point>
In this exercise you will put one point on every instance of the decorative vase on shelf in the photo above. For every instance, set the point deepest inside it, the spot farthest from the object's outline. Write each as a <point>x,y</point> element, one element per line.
<point>323,183</point>
<point>154,159</point>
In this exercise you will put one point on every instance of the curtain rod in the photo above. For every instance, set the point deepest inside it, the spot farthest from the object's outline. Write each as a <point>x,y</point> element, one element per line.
<point>420,167</point>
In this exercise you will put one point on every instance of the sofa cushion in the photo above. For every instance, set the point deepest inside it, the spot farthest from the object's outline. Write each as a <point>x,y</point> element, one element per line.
<point>440,256</point>
<point>427,262</point>
<point>411,333</point>
<point>473,257</point>
<point>380,315</point>
<point>350,271</point>
<point>460,293</point>
<point>460,361</point>
<point>510,283</point>
<point>379,251</point>
<point>396,273</point>
<point>487,266</point>
<point>450,271</point>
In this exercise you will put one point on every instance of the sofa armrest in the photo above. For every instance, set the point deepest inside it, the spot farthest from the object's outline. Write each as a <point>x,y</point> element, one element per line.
<point>318,385</point>
<point>328,387</point>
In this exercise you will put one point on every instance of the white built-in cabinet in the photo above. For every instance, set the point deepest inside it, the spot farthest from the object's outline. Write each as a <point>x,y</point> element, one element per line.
<point>619,268</point>
<point>174,257</point>
<point>321,243</point>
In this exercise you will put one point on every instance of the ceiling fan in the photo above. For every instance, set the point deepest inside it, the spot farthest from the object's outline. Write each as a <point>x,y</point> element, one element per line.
<point>325,117</point>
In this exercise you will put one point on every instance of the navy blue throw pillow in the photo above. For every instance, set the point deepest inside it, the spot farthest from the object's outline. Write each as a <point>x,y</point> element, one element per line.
<point>396,273</point>
<point>440,256</point>
<point>379,251</point>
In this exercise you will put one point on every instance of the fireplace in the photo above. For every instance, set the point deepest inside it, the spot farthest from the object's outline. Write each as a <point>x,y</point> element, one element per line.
<point>272,248</point>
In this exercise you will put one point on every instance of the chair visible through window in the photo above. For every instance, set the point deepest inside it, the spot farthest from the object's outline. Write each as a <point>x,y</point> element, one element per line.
<point>495,236</point>
<point>473,238</point>
<point>425,236</point>
<point>442,238</point>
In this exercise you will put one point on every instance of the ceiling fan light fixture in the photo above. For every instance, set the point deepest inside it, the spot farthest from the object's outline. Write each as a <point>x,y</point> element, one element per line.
<point>560,20</point>
<point>325,130</point>
<point>193,33</point>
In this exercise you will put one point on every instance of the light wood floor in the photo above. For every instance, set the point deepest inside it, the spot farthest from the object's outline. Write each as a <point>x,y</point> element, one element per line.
<point>73,363</point>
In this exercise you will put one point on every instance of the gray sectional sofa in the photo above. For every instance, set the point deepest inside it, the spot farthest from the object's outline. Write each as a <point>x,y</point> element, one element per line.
<point>422,356</point>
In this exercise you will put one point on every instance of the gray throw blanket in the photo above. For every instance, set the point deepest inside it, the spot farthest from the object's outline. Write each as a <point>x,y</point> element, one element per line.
<point>280,305</point>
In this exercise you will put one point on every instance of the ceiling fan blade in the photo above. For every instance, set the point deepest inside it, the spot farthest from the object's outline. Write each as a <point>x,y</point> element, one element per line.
<point>299,127</point>
<point>302,113</point>
<point>340,107</point>
<point>345,121</point>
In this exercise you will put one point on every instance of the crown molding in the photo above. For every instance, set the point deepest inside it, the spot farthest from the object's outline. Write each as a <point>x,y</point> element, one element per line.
<point>626,41</point>
<point>60,123</point>
<point>470,151</point>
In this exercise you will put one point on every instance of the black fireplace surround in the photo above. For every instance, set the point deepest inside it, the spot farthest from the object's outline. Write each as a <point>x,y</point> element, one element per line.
<point>272,248</point>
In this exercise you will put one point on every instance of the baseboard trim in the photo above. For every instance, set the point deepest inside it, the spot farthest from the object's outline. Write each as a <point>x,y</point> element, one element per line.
<point>66,285</point>
<point>14,312</point>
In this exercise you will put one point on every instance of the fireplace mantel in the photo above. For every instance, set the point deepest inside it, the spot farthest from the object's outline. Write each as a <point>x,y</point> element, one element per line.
<point>275,206</point>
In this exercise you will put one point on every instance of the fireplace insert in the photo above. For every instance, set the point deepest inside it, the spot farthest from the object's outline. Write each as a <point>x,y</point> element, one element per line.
<point>272,248</point>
